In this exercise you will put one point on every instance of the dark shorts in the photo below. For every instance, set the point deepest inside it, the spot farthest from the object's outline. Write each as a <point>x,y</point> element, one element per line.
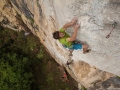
<point>74,46</point>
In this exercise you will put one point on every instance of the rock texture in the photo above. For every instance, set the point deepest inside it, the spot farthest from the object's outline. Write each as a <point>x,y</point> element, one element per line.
<point>96,19</point>
<point>95,70</point>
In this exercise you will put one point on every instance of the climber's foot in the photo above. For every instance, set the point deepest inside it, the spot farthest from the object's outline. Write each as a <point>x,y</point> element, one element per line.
<point>87,51</point>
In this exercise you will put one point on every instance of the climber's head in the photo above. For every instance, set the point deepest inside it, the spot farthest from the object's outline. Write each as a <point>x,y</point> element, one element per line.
<point>58,35</point>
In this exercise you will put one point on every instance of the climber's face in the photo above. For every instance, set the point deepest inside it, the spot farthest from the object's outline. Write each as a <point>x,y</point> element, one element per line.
<point>61,34</point>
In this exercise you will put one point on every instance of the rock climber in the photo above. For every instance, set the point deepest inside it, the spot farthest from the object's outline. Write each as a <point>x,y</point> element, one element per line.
<point>68,41</point>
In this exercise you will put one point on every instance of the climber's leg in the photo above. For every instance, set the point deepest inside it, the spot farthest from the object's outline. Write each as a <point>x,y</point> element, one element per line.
<point>77,46</point>
<point>70,50</point>
<point>70,54</point>
<point>85,48</point>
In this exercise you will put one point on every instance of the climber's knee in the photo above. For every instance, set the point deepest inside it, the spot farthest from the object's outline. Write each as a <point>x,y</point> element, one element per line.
<point>84,46</point>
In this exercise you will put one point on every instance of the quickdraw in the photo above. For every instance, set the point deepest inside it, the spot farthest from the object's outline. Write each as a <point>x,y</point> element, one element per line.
<point>69,62</point>
<point>113,27</point>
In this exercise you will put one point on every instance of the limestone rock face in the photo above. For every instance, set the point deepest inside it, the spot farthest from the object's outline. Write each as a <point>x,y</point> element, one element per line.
<point>94,70</point>
<point>96,19</point>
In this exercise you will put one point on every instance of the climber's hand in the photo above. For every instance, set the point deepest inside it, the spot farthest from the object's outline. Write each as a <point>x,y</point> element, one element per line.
<point>74,21</point>
<point>77,26</point>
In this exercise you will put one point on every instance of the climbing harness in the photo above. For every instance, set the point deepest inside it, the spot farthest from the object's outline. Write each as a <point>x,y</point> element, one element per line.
<point>113,27</point>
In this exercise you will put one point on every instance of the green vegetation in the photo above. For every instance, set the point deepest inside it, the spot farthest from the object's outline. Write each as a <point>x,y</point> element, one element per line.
<point>14,72</point>
<point>15,65</point>
<point>31,21</point>
<point>25,64</point>
<point>83,88</point>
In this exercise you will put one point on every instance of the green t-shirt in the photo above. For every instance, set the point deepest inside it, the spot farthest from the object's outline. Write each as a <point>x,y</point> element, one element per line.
<point>63,39</point>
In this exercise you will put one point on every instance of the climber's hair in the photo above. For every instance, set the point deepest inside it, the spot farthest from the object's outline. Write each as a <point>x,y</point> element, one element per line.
<point>56,35</point>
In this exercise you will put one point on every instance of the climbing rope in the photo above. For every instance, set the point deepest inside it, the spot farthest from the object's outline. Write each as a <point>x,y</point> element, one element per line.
<point>113,27</point>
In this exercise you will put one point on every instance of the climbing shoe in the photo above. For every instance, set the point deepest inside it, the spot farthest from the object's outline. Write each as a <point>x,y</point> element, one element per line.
<point>87,51</point>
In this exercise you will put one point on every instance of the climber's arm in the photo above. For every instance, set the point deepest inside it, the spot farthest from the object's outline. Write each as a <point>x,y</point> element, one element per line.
<point>67,25</point>
<point>73,21</point>
<point>73,37</point>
